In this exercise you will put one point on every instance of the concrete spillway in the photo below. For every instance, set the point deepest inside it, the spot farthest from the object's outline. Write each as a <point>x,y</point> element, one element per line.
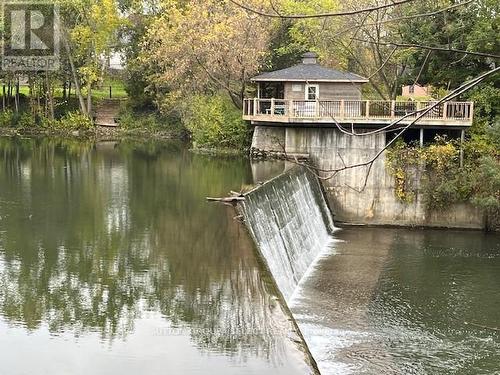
<point>291,224</point>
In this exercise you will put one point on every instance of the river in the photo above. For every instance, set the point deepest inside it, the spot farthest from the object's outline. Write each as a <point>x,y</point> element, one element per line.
<point>398,301</point>
<point>111,261</point>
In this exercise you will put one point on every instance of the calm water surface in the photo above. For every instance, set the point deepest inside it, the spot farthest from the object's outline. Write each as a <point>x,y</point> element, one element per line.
<point>112,262</point>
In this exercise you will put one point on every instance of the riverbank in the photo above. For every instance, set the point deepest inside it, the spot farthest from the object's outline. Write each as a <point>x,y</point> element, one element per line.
<point>98,133</point>
<point>139,133</point>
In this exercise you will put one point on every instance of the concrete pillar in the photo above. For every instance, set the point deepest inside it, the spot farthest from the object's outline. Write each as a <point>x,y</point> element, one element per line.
<point>421,137</point>
<point>462,139</point>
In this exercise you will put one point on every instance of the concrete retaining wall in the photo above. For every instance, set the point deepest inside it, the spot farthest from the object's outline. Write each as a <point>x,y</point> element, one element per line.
<point>328,148</point>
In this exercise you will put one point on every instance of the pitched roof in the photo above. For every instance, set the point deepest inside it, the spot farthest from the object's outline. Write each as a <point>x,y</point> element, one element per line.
<point>311,73</point>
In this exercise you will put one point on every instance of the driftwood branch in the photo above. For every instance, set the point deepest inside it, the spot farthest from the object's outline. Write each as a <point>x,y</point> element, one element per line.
<point>226,199</point>
<point>234,198</point>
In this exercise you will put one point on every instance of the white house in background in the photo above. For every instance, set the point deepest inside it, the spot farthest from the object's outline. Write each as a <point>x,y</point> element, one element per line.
<point>116,61</point>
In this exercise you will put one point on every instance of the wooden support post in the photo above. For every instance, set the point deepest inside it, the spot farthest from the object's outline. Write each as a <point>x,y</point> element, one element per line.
<point>342,109</point>
<point>291,109</point>
<point>393,108</point>
<point>110,92</point>
<point>471,111</point>
<point>445,110</point>
<point>462,139</point>
<point>272,107</point>
<point>367,109</point>
<point>317,108</point>
<point>255,106</point>
<point>421,137</point>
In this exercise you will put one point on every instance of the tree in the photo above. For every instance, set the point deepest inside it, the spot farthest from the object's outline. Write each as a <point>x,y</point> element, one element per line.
<point>140,15</point>
<point>472,27</point>
<point>204,46</point>
<point>90,31</point>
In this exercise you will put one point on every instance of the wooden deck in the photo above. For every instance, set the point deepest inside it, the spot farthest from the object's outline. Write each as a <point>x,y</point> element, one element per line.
<point>358,112</point>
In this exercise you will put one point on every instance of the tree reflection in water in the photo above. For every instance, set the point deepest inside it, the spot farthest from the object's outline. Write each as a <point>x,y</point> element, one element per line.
<point>92,237</point>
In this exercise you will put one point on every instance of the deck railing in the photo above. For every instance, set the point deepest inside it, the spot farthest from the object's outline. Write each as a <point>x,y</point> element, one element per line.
<point>354,109</point>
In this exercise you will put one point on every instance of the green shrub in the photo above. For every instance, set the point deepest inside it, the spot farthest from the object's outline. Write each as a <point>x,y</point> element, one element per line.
<point>214,122</point>
<point>151,121</point>
<point>486,182</point>
<point>444,182</point>
<point>75,121</point>
<point>402,160</point>
<point>71,121</point>
<point>24,120</point>
<point>6,118</point>
<point>493,134</point>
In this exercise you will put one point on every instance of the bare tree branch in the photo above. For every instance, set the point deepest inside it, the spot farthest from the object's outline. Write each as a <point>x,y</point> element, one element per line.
<point>383,64</point>
<point>422,67</point>
<point>432,48</point>
<point>318,15</point>
<point>409,17</point>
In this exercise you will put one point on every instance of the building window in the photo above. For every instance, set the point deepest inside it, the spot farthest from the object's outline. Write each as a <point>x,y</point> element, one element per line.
<point>411,89</point>
<point>312,92</point>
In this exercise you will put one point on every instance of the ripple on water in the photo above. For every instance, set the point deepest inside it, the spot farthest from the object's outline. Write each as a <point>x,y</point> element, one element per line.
<point>398,302</point>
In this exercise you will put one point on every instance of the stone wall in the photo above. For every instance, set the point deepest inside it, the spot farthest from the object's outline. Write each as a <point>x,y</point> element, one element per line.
<point>376,204</point>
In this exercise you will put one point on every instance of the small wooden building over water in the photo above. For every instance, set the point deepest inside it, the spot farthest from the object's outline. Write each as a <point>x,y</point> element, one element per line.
<point>309,81</point>
<point>311,94</point>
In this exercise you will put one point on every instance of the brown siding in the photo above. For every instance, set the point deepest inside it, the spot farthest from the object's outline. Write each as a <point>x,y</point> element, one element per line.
<point>291,95</point>
<point>327,91</point>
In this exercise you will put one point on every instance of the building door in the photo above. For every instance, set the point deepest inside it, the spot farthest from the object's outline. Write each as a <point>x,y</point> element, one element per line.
<point>311,96</point>
<point>312,92</point>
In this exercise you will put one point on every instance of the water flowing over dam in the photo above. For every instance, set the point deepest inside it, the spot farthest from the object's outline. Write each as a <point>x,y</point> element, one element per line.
<point>364,300</point>
<point>291,224</point>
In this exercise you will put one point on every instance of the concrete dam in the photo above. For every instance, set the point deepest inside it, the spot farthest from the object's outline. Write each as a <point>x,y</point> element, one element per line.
<point>353,201</point>
<point>292,226</point>
<point>364,299</point>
